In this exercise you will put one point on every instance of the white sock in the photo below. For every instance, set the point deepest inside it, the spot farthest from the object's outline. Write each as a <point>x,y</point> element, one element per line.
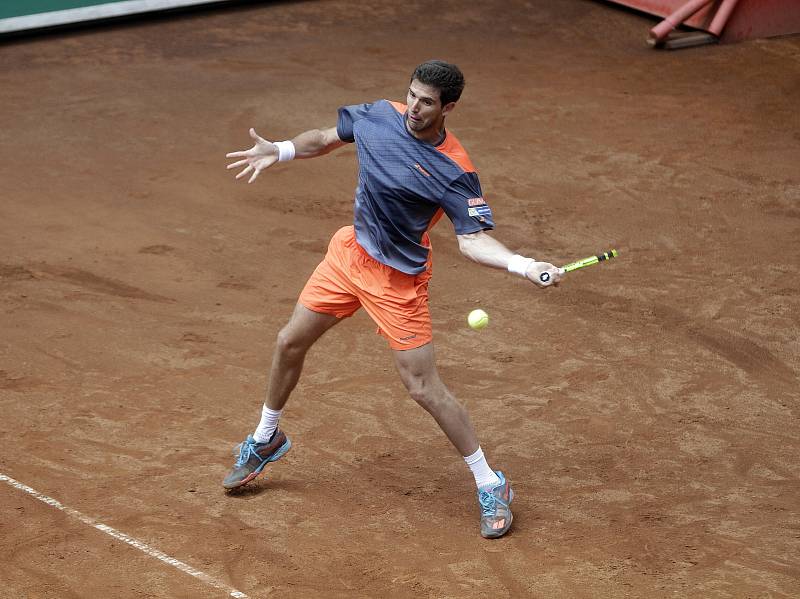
<point>484,476</point>
<point>268,424</point>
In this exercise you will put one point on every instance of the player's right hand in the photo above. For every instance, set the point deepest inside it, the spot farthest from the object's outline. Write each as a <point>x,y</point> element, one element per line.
<point>262,155</point>
<point>552,278</point>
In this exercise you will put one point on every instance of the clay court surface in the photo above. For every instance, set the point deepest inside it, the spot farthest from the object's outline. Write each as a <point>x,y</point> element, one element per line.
<point>646,411</point>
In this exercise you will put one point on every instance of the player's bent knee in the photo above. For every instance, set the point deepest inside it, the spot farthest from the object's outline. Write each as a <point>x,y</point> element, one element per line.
<point>420,396</point>
<point>433,400</point>
<point>290,344</point>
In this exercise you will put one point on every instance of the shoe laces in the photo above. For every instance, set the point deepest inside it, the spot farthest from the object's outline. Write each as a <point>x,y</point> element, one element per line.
<point>488,503</point>
<point>244,449</point>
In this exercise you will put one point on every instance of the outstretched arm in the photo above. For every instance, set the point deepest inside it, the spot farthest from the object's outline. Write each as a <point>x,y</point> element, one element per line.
<point>484,249</point>
<point>264,153</point>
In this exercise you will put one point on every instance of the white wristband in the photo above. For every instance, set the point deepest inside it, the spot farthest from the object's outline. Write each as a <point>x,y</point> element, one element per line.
<point>285,150</point>
<point>519,264</point>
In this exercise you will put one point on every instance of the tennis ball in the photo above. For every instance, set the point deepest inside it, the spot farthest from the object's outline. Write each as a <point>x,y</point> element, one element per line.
<point>478,319</point>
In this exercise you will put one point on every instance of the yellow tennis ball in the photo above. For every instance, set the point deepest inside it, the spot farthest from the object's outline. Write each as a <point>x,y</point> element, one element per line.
<point>478,319</point>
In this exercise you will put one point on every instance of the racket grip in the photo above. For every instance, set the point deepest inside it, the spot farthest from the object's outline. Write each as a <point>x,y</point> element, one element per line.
<point>545,276</point>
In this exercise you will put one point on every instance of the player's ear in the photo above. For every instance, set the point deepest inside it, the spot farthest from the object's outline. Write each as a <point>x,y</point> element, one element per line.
<point>448,108</point>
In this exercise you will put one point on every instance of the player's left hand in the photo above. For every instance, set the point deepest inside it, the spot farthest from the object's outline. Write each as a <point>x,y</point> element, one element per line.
<point>553,278</point>
<point>262,155</point>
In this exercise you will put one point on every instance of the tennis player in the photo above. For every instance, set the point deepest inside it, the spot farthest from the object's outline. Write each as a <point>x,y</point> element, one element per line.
<point>411,172</point>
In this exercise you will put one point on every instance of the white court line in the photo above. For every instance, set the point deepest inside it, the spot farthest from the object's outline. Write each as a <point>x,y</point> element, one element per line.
<point>141,546</point>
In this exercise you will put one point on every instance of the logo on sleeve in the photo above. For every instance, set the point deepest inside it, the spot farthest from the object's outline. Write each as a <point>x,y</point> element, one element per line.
<point>480,212</point>
<point>478,209</point>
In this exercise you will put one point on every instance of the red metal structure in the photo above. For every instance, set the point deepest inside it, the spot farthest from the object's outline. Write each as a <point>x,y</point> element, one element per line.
<point>725,20</point>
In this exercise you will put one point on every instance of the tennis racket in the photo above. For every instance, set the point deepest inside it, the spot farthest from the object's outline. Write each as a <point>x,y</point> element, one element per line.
<point>583,263</point>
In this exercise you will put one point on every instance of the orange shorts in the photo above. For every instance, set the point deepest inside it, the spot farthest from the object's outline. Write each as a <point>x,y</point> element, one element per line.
<point>349,278</point>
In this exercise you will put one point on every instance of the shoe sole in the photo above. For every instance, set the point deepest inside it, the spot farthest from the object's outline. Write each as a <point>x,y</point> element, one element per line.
<point>273,458</point>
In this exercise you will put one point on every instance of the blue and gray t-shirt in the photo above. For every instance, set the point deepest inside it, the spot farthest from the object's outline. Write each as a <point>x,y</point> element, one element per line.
<point>405,184</point>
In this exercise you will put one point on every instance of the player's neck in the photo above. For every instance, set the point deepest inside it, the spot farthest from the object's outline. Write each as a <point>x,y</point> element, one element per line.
<point>434,134</point>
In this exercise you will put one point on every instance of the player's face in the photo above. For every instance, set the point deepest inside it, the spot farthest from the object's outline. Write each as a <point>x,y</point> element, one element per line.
<point>425,111</point>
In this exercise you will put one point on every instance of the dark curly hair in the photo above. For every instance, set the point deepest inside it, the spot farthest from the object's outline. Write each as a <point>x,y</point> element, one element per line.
<point>445,77</point>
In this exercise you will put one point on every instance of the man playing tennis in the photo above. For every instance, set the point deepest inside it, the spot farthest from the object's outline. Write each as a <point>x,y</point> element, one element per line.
<point>411,171</point>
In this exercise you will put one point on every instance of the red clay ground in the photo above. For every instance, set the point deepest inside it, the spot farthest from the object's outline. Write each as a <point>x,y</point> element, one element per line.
<point>646,412</point>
